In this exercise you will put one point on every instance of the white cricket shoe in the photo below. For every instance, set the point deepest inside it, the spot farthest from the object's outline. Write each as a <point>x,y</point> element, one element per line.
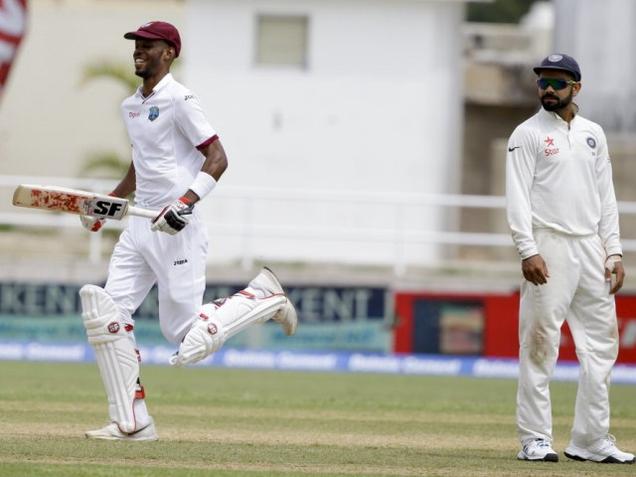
<point>604,451</point>
<point>286,316</point>
<point>111,432</point>
<point>538,450</point>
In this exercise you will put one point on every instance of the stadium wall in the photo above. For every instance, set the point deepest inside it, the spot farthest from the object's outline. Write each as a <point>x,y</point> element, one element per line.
<point>367,319</point>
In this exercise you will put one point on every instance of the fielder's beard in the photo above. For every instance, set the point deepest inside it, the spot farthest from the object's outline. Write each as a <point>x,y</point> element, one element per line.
<point>558,104</point>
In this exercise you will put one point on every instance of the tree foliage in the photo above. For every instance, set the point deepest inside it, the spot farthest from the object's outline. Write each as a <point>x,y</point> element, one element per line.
<point>121,73</point>
<point>499,11</point>
<point>108,164</point>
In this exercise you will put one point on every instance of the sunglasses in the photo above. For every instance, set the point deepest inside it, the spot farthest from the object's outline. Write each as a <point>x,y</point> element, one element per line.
<point>556,83</point>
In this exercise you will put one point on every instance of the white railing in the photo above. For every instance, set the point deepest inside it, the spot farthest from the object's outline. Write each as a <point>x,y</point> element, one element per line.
<point>397,236</point>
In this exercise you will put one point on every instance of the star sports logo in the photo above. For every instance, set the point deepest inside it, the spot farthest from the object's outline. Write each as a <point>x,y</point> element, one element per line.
<point>550,148</point>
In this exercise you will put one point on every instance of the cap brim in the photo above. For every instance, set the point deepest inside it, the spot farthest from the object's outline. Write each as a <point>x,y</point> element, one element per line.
<point>538,69</point>
<point>133,35</point>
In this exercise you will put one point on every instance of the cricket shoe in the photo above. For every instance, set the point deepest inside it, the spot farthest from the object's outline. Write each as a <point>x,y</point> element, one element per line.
<point>538,450</point>
<point>287,317</point>
<point>111,432</point>
<point>603,451</point>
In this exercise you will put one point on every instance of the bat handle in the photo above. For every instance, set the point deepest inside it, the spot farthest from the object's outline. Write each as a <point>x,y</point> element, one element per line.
<point>139,212</point>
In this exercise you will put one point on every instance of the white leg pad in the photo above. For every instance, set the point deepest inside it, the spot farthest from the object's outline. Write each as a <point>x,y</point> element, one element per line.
<point>221,320</point>
<point>115,354</point>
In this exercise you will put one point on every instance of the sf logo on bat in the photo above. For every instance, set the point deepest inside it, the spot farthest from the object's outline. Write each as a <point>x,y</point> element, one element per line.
<point>108,208</point>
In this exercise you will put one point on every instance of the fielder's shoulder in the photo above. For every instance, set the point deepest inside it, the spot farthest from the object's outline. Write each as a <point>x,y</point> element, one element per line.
<point>528,128</point>
<point>589,124</point>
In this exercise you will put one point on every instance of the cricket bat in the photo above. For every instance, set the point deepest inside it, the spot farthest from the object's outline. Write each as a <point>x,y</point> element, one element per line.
<point>79,202</point>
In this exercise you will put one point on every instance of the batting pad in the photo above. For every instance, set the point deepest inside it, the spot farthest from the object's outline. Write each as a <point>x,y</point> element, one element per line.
<point>240,311</point>
<point>222,319</point>
<point>115,354</point>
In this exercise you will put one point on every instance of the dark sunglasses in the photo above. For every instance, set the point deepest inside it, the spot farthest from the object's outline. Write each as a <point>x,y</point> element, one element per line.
<point>556,83</point>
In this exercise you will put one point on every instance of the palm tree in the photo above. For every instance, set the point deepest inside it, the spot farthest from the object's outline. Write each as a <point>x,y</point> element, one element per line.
<point>108,164</point>
<point>118,71</point>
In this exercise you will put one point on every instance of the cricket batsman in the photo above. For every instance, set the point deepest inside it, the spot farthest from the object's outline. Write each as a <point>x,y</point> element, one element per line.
<point>177,159</point>
<point>562,211</point>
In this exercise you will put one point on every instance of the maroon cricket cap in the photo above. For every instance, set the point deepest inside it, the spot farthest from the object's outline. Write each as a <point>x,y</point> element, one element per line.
<point>157,31</point>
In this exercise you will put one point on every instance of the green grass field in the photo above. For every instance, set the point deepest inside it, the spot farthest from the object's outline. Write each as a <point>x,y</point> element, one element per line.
<point>248,423</point>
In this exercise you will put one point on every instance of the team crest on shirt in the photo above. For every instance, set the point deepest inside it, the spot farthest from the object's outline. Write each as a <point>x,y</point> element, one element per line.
<point>153,113</point>
<point>591,142</point>
<point>550,147</point>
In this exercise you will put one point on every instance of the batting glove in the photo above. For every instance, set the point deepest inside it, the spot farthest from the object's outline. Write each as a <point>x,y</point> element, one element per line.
<point>92,224</point>
<point>174,217</point>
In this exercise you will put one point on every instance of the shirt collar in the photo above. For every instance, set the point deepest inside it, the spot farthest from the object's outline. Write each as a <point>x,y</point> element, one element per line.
<point>552,116</point>
<point>167,79</point>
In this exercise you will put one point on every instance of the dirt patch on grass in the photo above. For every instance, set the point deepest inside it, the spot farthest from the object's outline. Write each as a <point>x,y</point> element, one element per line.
<point>423,440</point>
<point>119,467</point>
<point>272,468</point>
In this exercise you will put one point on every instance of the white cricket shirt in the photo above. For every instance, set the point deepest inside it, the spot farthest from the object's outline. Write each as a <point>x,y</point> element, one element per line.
<point>165,130</point>
<point>560,178</point>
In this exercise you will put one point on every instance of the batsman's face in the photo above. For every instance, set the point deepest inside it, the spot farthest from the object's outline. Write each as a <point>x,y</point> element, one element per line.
<point>151,56</point>
<point>553,99</point>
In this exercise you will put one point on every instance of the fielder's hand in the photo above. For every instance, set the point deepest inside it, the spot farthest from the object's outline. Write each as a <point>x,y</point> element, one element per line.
<point>535,270</point>
<point>174,217</point>
<point>614,266</point>
<point>92,224</point>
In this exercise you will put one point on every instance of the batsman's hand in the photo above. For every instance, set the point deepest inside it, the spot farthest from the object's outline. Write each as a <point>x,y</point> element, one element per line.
<point>535,270</point>
<point>174,217</point>
<point>92,224</point>
<point>614,266</point>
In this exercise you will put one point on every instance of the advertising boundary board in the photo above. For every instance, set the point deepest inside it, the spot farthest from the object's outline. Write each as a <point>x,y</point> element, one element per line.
<point>405,364</point>
<point>500,323</point>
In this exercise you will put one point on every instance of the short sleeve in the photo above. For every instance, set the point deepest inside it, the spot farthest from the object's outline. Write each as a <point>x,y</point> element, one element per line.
<point>191,120</point>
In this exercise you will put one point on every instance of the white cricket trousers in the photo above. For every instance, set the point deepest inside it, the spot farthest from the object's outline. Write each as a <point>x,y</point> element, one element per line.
<point>577,292</point>
<point>176,263</point>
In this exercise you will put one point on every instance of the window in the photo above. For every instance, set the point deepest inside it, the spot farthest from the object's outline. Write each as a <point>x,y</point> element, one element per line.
<point>281,41</point>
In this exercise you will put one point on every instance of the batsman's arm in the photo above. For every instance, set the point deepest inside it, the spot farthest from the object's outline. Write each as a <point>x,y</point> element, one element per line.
<point>212,169</point>
<point>174,217</point>
<point>127,185</point>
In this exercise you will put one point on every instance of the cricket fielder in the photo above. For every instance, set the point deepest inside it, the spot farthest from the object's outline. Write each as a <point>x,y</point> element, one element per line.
<point>177,160</point>
<point>562,212</point>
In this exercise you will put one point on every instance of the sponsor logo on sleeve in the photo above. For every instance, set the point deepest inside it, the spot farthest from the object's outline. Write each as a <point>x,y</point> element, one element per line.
<point>188,97</point>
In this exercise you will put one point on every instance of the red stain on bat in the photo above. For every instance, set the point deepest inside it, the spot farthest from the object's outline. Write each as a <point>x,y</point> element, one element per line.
<point>56,201</point>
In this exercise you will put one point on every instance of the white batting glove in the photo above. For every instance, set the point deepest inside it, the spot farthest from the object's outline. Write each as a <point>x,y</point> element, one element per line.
<point>174,217</point>
<point>92,224</point>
